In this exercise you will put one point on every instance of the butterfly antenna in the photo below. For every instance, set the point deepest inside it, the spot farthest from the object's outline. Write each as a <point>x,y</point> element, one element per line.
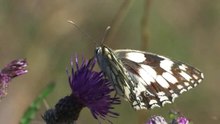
<point>105,34</point>
<point>83,32</point>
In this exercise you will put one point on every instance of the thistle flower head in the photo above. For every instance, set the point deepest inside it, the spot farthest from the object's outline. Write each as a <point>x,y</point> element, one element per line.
<point>156,120</point>
<point>11,70</point>
<point>175,118</point>
<point>178,118</point>
<point>92,89</point>
<point>89,89</point>
<point>182,120</point>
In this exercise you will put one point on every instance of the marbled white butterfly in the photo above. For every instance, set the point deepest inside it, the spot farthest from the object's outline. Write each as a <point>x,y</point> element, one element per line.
<point>145,79</point>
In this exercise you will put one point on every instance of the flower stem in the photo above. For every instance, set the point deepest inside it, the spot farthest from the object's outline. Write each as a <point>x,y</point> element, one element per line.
<point>144,25</point>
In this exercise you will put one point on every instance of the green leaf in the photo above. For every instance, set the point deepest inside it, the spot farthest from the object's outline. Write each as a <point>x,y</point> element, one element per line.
<point>35,105</point>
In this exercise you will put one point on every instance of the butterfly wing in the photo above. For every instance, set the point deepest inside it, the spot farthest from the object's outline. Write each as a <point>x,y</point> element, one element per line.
<point>157,80</point>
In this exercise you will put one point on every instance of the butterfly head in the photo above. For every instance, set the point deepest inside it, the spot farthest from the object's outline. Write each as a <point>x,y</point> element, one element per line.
<point>98,50</point>
<point>102,52</point>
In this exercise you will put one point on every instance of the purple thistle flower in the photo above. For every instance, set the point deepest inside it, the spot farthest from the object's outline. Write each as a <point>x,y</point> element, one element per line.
<point>11,70</point>
<point>178,118</point>
<point>89,89</point>
<point>156,120</point>
<point>175,118</point>
<point>92,89</point>
<point>182,120</point>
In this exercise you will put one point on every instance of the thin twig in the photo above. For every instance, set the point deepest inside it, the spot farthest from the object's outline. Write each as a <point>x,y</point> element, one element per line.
<point>118,19</point>
<point>144,25</point>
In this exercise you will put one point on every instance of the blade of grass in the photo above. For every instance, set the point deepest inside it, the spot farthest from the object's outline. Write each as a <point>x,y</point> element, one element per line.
<point>35,105</point>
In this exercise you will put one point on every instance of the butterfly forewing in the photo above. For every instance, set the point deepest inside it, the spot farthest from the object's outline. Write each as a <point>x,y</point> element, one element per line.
<point>147,80</point>
<point>162,78</point>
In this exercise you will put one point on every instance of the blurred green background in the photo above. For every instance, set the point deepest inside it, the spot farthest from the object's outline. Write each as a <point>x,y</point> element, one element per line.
<point>38,30</point>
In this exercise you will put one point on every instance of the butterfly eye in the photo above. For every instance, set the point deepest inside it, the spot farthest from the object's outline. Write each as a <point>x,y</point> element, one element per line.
<point>98,50</point>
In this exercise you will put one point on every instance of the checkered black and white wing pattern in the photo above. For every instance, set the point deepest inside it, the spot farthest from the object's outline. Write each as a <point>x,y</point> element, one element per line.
<point>157,80</point>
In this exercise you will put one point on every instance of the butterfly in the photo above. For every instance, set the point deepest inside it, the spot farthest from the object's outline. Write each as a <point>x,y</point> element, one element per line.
<point>145,79</point>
